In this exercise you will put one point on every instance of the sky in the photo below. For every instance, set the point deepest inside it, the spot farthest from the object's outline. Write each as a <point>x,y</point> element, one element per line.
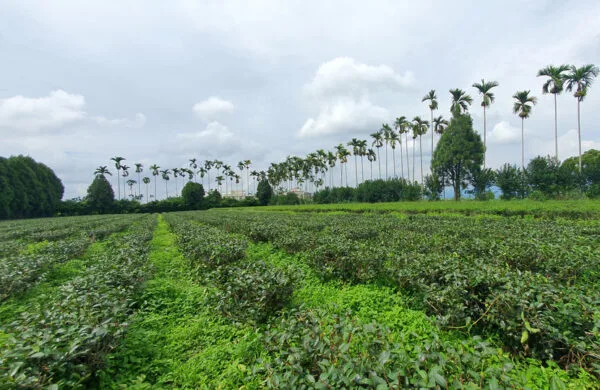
<point>162,82</point>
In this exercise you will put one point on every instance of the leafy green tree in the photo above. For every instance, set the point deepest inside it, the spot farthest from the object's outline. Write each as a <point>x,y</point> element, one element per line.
<point>510,181</point>
<point>581,80</point>
<point>481,181</point>
<point>543,175</point>
<point>100,195</point>
<point>433,186</point>
<point>487,98</point>
<point>193,195</point>
<point>458,153</point>
<point>264,192</point>
<point>554,85</point>
<point>523,105</point>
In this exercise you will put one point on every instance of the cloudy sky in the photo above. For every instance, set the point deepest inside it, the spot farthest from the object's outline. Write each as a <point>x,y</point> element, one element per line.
<point>165,81</point>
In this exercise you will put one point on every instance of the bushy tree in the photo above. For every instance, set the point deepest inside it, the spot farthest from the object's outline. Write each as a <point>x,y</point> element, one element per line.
<point>100,195</point>
<point>481,181</point>
<point>264,192</point>
<point>510,180</point>
<point>433,186</point>
<point>458,153</point>
<point>543,176</point>
<point>213,199</point>
<point>193,195</point>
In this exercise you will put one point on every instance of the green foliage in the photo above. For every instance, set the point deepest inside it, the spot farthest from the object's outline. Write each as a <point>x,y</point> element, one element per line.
<point>29,188</point>
<point>371,191</point>
<point>286,199</point>
<point>264,192</point>
<point>193,195</point>
<point>434,186</point>
<point>481,181</point>
<point>510,180</point>
<point>100,195</point>
<point>458,153</point>
<point>543,175</point>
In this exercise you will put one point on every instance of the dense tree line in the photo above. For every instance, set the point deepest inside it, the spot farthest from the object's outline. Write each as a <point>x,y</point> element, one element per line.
<point>28,188</point>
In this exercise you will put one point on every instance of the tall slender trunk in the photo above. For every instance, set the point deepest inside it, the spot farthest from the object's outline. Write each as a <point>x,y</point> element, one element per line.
<point>147,193</point>
<point>341,174</point>
<point>386,161</point>
<point>362,169</point>
<point>421,153</point>
<point>167,189</point>
<point>155,181</point>
<point>407,156</point>
<point>139,184</point>
<point>119,184</point>
<point>175,186</point>
<point>371,170</point>
<point>401,162</point>
<point>431,126</point>
<point>394,160</point>
<point>355,171</point>
<point>208,174</point>
<point>346,173</point>
<point>379,162</point>
<point>484,137</point>
<point>247,182</point>
<point>523,145</point>
<point>555,130</point>
<point>414,162</point>
<point>579,133</point>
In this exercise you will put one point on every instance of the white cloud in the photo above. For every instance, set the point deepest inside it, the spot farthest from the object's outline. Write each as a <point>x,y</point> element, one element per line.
<point>213,108</point>
<point>215,140</point>
<point>33,115</point>
<point>341,94</point>
<point>345,115</point>
<point>504,133</point>
<point>138,122</point>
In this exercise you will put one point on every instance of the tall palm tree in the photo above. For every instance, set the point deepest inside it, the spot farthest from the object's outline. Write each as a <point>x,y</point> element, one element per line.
<point>393,139</point>
<point>247,164</point>
<point>208,166</point>
<point>487,98</point>
<point>371,156</point>
<point>130,183</point>
<point>219,180</point>
<point>419,129</point>
<point>362,147</point>
<point>102,170</point>
<point>460,101</point>
<point>386,130</point>
<point>581,80</point>
<point>341,154</point>
<point>401,126</point>
<point>433,105</point>
<point>117,161</point>
<point>439,125</point>
<point>522,107</point>
<point>554,85</point>
<point>193,164</point>
<point>138,169</point>
<point>175,172</point>
<point>155,171</point>
<point>355,143</point>
<point>146,181</point>
<point>331,160</point>
<point>165,176</point>
<point>378,143</point>
<point>124,173</point>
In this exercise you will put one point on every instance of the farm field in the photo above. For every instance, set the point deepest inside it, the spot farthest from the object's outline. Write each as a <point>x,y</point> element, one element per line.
<point>428,295</point>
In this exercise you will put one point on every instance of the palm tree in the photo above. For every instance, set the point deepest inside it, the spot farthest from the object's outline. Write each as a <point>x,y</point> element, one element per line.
<point>433,105</point>
<point>553,85</point>
<point>146,181</point>
<point>371,156</point>
<point>581,79</point>
<point>165,176</point>
<point>362,147</point>
<point>208,166</point>
<point>523,106</point>
<point>487,96</point>
<point>401,126</point>
<point>102,170</point>
<point>124,173</point>
<point>254,175</point>
<point>138,170</point>
<point>419,128</point>
<point>378,143</point>
<point>439,125</point>
<point>219,180</point>
<point>247,164</point>
<point>355,143</point>
<point>130,183</point>
<point>386,130</point>
<point>117,161</point>
<point>193,164</point>
<point>175,176</point>
<point>393,139</point>
<point>155,170</point>
<point>331,160</point>
<point>460,101</point>
<point>341,154</point>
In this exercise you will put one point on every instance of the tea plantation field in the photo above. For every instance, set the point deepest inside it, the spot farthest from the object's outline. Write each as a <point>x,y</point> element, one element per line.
<point>467,295</point>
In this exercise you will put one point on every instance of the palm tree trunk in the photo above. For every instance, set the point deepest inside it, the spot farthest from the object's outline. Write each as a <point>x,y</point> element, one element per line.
<point>346,173</point>
<point>386,161</point>
<point>355,171</point>
<point>579,133</point>
<point>523,145</point>
<point>341,174</point>
<point>166,189</point>
<point>379,162</point>
<point>139,184</point>
<point>401,163</point>
<point>431,126</point>
<point>146,192</point>
<point>155,187</point>
<point>407,156</point>
<point>394,160</point>
<point>175,186</point>
<point>119,184</point>
<point>362,170</point>
<point>484,137</point>
<point>555,130</point>
<point>371,170</point>
<point>421,153</point>
<point>247,182</point>
<point>414,161</point>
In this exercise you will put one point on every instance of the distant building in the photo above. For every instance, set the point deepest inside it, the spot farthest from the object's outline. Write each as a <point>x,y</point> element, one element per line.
<point>301,193</point>
<point>235,194</point>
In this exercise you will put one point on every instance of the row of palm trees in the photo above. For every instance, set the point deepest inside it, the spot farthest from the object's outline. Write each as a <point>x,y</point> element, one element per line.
<point>311,171</point>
